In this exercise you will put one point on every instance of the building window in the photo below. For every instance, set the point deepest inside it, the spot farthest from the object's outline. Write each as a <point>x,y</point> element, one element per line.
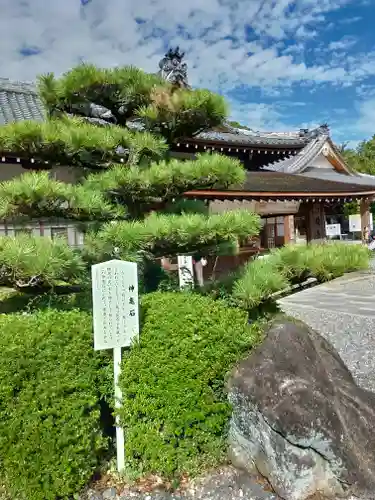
<point>23,230</point>
<point>280,227</point>
<point>59,232</point>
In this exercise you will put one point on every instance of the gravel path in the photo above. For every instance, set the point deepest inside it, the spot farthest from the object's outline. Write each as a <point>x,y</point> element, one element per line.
<point>343,311</point>
<point>225,484</point>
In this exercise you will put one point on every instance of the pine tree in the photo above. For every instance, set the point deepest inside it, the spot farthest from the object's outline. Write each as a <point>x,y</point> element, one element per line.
<point>116,128</point>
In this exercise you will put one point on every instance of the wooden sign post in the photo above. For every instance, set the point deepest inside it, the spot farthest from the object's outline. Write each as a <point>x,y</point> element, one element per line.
<point>116,322</point>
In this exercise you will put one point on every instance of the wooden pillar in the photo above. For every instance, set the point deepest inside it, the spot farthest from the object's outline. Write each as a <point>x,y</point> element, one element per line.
<point>316,223</point>
<point>365,218</point>
<point>289,233</point>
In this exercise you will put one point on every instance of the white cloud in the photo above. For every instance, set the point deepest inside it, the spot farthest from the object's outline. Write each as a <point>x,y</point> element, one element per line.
<point>106,32</point>
<point>351,20</point>
<point>227,43</point>
<point>259,116</point>
<point>343,44</point>
<point>354,129</point>
<point>365,125</point>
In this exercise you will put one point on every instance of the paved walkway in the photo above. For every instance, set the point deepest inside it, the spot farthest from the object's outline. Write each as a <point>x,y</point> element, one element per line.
<point>343,311</point>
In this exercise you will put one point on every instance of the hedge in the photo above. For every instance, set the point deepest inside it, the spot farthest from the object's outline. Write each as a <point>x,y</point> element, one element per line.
<point>285,266</point>
<point>51,387</point>
<point>175,410</point>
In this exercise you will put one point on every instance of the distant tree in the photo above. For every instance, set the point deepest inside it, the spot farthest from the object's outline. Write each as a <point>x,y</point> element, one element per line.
<point>362,158</point>
<point>235,124</point>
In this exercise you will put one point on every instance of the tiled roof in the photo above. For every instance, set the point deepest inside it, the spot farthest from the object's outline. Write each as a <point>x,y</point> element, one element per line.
<point>293,183</point>
<point>277,185</point>
<point>297,163</point>
<point>19,101</point>
<point>250,138</point>
<point>331,175</point>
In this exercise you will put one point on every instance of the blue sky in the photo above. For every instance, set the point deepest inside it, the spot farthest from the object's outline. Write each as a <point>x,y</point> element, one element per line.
<point>282,64</point>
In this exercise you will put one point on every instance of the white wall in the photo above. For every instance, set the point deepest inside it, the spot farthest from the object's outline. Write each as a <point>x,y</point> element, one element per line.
<point>322,162</point>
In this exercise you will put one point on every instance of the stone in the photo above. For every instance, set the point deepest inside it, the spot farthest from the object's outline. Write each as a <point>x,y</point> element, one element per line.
<point>300,420</point>
<point>93,495</point>
<point>109,493</point>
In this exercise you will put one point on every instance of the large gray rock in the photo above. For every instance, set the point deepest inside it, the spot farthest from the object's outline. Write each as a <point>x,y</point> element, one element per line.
<point>299,418</point>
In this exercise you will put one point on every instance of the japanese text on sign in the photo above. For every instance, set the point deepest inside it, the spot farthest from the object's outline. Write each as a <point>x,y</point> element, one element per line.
<point>185,270</point>
<point>115,304</point>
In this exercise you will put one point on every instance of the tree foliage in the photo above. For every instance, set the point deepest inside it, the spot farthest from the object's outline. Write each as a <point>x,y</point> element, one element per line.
<point>362,158</point>
<point>114,127</point>
<point>36,195</point>
<point>167,235</point>
<point>117,95</point>
<point>34,261</point>
<point>167,180</point>
<point>121,91</point>
<point>73,141</point>
<point>182,113</point>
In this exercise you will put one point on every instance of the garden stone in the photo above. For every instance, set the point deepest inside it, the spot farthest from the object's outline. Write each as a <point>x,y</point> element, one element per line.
<point>110,493</point>
<point>93,495</point>
<point>300,420</point>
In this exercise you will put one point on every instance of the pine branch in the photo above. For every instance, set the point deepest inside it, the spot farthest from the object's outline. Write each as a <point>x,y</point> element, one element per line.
<point>38,261</point>
<point>165,235</point>
<point>182,113</point>
<point>167,180</point>
<point>35,195</point>
<point>74,142</point>
<point>121,91</point>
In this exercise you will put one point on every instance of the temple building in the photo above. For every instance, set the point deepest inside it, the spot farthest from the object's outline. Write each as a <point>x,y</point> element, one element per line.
<point>295,180</point>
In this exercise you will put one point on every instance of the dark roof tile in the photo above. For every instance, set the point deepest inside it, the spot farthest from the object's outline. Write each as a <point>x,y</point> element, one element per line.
<point>292,140</point>
<point>265,182</point>
<point>19,101</point>
<point>297,163</point>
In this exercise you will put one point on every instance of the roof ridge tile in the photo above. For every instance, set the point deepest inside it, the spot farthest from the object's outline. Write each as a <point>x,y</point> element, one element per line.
<point>7,85</point>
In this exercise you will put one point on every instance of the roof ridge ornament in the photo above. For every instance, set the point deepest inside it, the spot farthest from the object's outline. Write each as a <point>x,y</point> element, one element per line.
<point>319,131</point>
<point>172,69</point>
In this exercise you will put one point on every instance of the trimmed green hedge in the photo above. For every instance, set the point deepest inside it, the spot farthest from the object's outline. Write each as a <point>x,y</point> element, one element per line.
<point>293,264</point>
<point>51,385</point>
<point>175,410</point>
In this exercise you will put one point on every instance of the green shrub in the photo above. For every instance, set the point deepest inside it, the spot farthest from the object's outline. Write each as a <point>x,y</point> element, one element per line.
<point>323,261</point>
<point>295,263</point>
<point>222,287</point>
<point>331,260</point>
<point>261,279</point>
<point>51,385</point>
<point>175,411</point>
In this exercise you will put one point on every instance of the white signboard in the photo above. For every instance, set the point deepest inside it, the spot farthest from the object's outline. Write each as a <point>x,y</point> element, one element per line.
<point>333,229</point>
<point>185,270</point>
<point>115,304</point>
<point>355,223</point>
<point>116,322</point>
